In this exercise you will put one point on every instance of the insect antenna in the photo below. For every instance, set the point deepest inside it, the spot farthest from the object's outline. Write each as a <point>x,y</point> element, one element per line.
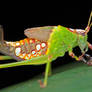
<point>89,23</point>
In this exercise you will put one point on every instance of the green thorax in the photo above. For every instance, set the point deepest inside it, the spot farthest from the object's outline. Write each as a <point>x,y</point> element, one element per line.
<point>82,43</point>
<point>62,40</point>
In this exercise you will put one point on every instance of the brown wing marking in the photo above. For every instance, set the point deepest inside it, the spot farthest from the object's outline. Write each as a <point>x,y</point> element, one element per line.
<point>39,33</point>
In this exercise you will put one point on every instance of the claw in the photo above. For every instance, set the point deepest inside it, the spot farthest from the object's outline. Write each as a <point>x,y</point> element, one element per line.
<point>81,58</point>
<point>89,59</point>
<point>87,56</point>
<point>42,85</point>
<point>84,60</point>
<point>89,63</point>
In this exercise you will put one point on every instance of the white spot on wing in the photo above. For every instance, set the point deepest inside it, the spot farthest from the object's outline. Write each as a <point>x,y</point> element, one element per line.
<point>43,44</point>
<point>17,51</point>
<point>22,55</point>
<point>33,52</point>
<point>29,55</point>
<point>17,44</point>
<point>38,47</point>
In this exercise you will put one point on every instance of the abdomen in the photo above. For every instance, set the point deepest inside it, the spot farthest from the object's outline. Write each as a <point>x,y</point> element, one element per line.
<point>28,48</point>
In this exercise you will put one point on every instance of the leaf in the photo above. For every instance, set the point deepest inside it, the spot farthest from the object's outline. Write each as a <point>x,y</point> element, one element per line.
<point>73,77</point>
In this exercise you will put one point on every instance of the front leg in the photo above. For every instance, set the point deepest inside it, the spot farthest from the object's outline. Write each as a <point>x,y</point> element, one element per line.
<point>89,46</point>
<point>80,58</point>
<point>89,58</point>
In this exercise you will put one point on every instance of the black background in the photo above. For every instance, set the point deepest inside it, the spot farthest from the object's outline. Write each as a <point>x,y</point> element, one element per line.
<point>16,17</point>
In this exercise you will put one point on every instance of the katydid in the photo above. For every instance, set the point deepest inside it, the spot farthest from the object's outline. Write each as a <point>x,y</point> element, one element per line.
<point>45,44</point>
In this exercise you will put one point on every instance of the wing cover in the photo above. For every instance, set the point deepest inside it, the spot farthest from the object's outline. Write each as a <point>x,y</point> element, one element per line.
<point>39,33</point>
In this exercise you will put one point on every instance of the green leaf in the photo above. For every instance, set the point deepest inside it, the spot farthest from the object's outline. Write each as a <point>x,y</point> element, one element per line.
<point>73,77</point>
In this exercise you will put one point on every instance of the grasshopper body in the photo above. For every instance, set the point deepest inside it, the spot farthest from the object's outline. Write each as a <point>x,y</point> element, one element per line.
<point>45,44</point>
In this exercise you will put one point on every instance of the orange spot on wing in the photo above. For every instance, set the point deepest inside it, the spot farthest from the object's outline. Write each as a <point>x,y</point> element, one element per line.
<point>22,42</point>
<point>33,41</point>
<point>26,56</point>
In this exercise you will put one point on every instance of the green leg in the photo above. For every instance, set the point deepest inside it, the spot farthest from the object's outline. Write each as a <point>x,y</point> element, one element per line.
<point>43,85</point>
<point>73,55</point>
<point>34,61</point>
<point>50,70</point>
<point>46,73</point>
<point>77,58</point>
<point>5,57</point>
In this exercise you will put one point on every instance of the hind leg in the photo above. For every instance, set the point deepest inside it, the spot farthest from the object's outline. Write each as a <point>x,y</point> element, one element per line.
<point>89,46</point>
<point>89,58</point>
<point>47,73</point>
<point>5,57</point>
<point>44,84</point>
